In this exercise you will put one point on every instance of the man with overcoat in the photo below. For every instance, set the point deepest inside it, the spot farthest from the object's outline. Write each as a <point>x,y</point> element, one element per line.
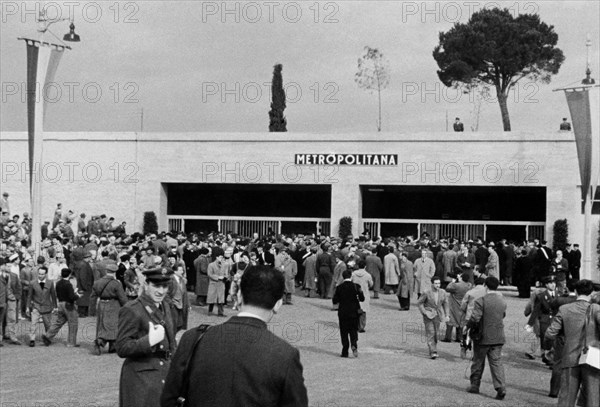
<point>348,295</point>
<point>146,340</point>
<point>106,300</point>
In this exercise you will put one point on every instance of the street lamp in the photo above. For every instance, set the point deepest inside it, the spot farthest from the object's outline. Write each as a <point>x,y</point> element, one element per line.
<point>42,62</point>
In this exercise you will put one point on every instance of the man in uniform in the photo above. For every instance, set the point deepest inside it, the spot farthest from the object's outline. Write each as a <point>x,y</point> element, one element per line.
<point>146,339</point>
<point>544,312</point>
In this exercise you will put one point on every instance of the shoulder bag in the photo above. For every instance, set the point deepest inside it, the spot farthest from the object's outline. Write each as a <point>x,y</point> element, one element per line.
<point>181,400</point>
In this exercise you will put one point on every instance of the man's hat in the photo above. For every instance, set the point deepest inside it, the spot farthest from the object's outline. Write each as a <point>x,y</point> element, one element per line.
<point>549,279</point>
<point>158,275</point>
<point>111,266</point>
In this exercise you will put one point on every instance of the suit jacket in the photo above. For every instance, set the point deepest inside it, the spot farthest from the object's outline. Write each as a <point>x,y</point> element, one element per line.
<point>143,370</point>
<point>325,263</point>
<point>44,300</point>
<point>266,258</point>
<point>490,310</point>
<point>238,363</point>
<point>430,308</point>
<point>349,296</point>
<point>570,322</point>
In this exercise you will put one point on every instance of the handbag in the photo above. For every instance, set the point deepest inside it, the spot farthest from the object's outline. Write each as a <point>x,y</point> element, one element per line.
<point>359,311</point>
<point>590,355</point>
<point>181,400</point>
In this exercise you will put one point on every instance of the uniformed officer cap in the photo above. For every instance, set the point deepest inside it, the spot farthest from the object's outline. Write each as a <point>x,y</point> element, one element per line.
<point>549,279</point>
<point>158,275</point>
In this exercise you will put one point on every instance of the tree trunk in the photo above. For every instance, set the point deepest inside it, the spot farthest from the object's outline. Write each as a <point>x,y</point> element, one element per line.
<point>379,122</point>
<point>502,98</point>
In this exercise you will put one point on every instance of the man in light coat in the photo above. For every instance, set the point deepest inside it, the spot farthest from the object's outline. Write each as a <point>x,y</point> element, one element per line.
<point>391,266</point>
<point>424,271</point>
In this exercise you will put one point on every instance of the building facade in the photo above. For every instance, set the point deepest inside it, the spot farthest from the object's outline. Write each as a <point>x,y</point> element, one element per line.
<point>493,185</point>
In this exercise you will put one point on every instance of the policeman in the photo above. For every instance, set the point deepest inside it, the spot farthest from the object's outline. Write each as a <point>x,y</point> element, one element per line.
<point>544,312</point>
<point>146,339</point>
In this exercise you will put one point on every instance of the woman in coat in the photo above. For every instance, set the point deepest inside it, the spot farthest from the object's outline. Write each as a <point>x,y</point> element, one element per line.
<point>363,278</point>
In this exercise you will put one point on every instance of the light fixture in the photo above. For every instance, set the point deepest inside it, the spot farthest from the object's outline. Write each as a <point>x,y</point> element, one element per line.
<point>71,36</point>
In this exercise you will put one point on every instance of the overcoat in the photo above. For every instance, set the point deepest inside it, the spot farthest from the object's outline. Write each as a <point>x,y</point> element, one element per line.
<point>406,279</point>
<point>106,300</point>
<point>145,368</point>
<point>289,268</point>
<point>424,271</point>
<point>202,281</point>
<point>365,280</point>
<point>310,272</point>
<point>216,286</point>
<point>457,292</point>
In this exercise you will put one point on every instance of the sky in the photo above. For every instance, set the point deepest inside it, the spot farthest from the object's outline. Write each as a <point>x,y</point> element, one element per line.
<point>206,66</point>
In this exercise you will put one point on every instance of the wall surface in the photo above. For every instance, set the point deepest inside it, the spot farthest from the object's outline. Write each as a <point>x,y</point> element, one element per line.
<point>122,174</point>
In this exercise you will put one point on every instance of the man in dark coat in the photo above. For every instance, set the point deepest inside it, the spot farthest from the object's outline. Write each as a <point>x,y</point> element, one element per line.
<point>490,310</point>
<point>241,362</point>
<point>106,300</point>
<point>348,295</point>
<point>523,276</point>
<point>146,339</point>
<point>85,280</point>
<point>201,266</point>
<point>544,312</point>
<point>325,266</point>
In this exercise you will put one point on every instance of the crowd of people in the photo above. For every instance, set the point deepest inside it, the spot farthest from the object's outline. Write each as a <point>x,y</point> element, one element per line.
<point>93,268</point>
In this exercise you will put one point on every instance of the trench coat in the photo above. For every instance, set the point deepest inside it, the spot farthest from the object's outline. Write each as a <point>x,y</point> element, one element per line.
<point>406,279</point>
<point>144,370</point>
<point>216,286</point>
<point>365,280</point>
<point>424,271</point>
<point>457,292</point>
<point>392,269</point>
<point>310,272</point>
<point>202,281</point>
<point>289,269</point>
<point>106,300</point>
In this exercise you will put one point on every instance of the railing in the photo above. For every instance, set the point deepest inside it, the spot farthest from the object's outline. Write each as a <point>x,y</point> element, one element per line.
<point>247,226</point>
<point>460,229</point>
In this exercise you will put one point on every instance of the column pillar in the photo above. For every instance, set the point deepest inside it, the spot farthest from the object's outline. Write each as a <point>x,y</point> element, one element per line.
<point>346,200</point>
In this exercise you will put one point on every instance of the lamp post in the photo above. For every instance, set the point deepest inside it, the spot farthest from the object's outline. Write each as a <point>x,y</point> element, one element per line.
<point>42,62</point>
<point>584,104</point>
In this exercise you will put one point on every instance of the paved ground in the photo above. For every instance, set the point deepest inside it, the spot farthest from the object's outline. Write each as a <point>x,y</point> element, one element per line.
<point>393,367</point>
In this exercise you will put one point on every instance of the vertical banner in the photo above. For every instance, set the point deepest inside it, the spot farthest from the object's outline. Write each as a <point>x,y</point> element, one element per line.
<point>42,63</point>
<point>584,103</point>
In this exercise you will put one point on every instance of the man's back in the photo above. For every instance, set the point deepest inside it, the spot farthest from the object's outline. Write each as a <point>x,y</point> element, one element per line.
<point>491,308</point>
<point>238,363</point>
<point>573,319</point>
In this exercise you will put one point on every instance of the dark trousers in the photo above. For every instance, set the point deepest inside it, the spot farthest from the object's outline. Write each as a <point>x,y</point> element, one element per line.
<point>559,344</point>
<point>349,328</point>
<point>67,313</point>
<point>201,300</point>
<point>390,288</point>
<point>404,302</point>
<point>219,308</point>
<point>376,284</point>
<point>83,311</point>
<point>493,354</point>
<point>325,278</point>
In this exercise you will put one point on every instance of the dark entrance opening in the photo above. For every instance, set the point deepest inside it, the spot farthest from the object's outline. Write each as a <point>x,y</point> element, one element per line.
<point>201,225</point>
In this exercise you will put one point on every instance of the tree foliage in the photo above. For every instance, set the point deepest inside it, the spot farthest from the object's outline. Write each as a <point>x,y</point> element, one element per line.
<point>498,49</point>
<point>277,121</point>
<point>373,74</point>
<point>150,223</point>
<point>560,235</point>
<point>345,227</point>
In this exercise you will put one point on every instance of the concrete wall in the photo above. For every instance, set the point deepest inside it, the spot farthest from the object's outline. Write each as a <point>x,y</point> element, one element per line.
<point>121,174</point>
